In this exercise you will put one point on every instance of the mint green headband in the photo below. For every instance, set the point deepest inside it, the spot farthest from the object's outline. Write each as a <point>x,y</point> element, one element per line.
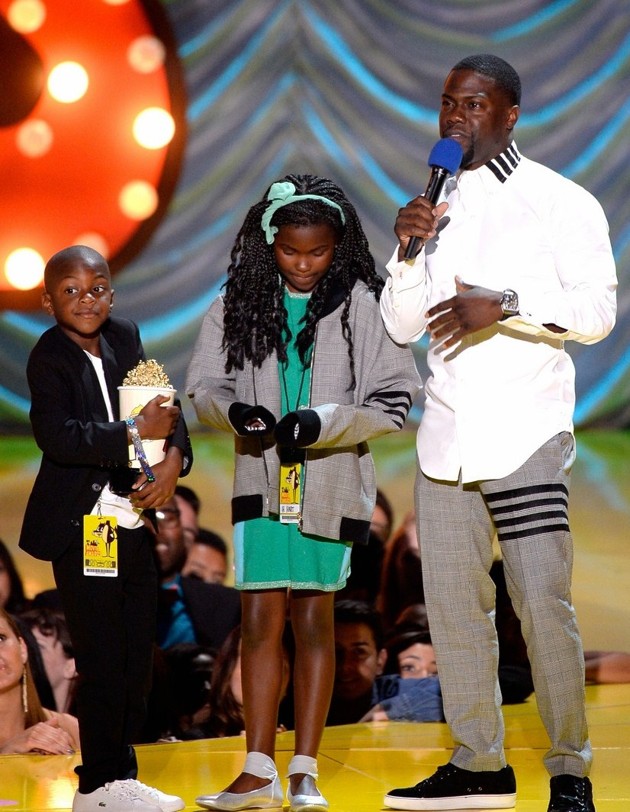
<point>281,194</point>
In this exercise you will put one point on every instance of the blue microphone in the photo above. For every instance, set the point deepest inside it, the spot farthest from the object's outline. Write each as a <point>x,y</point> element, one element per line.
<point>444,160</point>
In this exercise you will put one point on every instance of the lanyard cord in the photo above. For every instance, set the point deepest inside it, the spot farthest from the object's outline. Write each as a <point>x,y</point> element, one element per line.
<point>285,388</point>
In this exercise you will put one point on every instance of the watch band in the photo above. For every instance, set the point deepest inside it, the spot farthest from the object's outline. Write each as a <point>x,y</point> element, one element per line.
<point>139,449</point>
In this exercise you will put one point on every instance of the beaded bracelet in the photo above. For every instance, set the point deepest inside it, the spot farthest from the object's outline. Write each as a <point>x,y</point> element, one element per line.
<point>139,449</point>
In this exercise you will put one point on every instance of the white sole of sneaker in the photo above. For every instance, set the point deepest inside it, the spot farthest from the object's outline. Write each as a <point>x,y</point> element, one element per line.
<point>456,803</point>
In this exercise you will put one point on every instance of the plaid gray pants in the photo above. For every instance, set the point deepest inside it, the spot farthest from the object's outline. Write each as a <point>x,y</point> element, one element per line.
<point>456,525</point>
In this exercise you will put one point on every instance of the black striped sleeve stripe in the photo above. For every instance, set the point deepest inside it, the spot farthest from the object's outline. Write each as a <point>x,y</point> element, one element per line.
<point>389,396</point>
<point>516,493</point>
<point>397,417</point>
<point>563,500</point>
<point>536,517</point>
<point>534,531</point>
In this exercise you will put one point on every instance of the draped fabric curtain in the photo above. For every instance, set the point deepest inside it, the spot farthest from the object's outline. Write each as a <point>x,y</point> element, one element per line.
<point>351,90</point>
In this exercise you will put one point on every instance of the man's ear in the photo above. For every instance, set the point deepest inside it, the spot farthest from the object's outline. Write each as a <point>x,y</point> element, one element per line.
<point>381,659</point>
<point>512,117</point>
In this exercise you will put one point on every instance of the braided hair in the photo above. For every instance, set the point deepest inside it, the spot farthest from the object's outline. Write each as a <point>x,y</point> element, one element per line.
<point>255,319</point>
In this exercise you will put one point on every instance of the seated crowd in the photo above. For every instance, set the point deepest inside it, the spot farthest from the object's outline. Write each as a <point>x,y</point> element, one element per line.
<point>385,665</point>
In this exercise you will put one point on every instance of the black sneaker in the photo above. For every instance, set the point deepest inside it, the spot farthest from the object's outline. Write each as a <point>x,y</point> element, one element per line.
<point>452,787</point>
<point>570,794</point>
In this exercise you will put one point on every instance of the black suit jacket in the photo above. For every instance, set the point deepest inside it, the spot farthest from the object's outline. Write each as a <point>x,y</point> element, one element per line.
<point>80,445</point>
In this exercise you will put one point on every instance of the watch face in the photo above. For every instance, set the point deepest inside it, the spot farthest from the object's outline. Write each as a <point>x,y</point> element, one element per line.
<point>509,302</point>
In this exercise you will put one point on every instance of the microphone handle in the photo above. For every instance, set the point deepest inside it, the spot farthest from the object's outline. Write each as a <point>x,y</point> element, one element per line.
<point>432,193</point>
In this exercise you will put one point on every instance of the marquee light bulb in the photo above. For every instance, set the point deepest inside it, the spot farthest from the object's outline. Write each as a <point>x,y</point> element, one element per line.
<point>154,128</point>
<point>24,268</point>
<point>68,82</point>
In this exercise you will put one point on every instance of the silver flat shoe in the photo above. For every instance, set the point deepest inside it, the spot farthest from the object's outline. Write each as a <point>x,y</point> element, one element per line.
<point>267,797</point>
<point>300,802</point>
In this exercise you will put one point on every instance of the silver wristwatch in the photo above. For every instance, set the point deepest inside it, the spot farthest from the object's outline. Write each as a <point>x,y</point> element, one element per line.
<point>509,303</point>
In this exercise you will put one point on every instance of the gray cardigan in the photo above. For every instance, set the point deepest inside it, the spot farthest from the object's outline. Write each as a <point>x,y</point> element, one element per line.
<point>340,483</point>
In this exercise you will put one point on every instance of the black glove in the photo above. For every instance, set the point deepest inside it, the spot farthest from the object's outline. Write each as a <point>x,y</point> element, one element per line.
<point>251,421</point>
<point>298,429</point>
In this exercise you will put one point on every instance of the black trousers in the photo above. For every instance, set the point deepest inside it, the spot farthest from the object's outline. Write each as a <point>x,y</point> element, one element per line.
<point>112,626</point>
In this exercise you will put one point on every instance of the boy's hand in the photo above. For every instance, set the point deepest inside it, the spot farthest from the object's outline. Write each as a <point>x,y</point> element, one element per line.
<point>147,494</point>
<point>156,422</point>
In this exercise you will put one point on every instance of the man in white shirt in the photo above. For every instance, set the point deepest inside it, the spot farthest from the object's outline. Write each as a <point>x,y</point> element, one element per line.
<point>516,261</point>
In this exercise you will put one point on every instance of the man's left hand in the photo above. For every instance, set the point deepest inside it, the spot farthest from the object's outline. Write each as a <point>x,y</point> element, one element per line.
<point>471,309</point>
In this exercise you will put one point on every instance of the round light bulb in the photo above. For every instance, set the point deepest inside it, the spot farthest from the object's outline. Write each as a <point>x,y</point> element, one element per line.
<point>24,268</point>
<point>93,240</point>
<point>154,128</point>
<point>34,138</point>
<point>138,199</point>
<point>26,16</point>
<point>146,54</point>
<point>68,82</point>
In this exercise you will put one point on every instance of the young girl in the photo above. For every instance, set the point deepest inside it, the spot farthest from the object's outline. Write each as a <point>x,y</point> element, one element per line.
<point>295,362</point>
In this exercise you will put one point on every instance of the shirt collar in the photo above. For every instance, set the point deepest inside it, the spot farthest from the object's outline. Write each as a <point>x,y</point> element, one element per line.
<point>504,164</point>
<point>484,179</point>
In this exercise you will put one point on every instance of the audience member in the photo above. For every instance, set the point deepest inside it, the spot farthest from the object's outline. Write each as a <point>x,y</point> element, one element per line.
<point>226,691</point>
<point>409,648</point>
<point>361,692</point>
<point>366,561</point>
<point>359,659</point>
<point>189,610</point>
<point>226,694</point>
<point>36,664</point>
<point>607,666</point>
<point>189,505</point>
<point>180,697</point>
<point>25,726</point>
<point>382,517</point>
<point>207,557</point>
<point>401,573</point>
<point>51,633</point>
<point>11,588</point>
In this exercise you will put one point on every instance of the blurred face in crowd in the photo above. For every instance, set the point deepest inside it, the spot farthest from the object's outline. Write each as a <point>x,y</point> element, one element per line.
<point>358,661</point>
<point>169,541</point>
<point>417,661</point>
<point>13,656</point>
<point>379,524</point>
<point>5,585</point>
<point>187,519</point>
<point>58,666</point>
<point>206,563</point>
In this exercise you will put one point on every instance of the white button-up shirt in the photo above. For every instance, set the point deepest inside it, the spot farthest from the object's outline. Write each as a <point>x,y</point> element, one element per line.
<point>497,396</point>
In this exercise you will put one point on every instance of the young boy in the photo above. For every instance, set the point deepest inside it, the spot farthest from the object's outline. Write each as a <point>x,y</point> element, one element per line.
<point>73,373</point>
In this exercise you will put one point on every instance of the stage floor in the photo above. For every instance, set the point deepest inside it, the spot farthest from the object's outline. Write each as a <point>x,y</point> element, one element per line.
<point>357,763</point>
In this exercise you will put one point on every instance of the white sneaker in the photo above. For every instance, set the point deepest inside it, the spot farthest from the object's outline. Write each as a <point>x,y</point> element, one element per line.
<point>114,797</point>
<point>160,800</point>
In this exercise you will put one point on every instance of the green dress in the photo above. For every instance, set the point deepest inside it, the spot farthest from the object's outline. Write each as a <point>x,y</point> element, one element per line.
<point>268,554</point>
